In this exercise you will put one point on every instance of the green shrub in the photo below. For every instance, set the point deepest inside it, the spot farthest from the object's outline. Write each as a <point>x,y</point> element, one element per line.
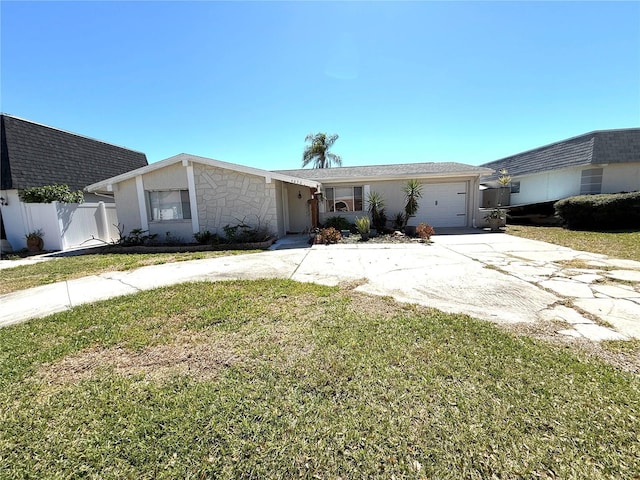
<point>243,233</point>
<point>51,193</point>
<point>376,210</point>
<point>600,212</point>
<point>412,192</point>
<point>363,224</point>
<point>338,222</point>
<point>398,221</point>
<point>204,238</point>
<point>136,237</point>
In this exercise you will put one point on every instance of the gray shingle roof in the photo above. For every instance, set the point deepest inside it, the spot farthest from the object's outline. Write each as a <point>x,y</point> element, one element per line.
<point>35,155</point>
<point>599,147</point>
<point>406,170</point>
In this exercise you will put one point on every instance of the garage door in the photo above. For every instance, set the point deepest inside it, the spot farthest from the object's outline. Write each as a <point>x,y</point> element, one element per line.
<point>443,205</point>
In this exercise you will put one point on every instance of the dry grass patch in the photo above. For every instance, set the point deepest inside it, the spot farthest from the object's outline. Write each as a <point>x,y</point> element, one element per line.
<point>199,360</point>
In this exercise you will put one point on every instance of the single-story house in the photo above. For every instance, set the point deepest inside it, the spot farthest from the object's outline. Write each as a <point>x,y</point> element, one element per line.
<point>186,194</point>
<point>34,155</point>
<point>449,193</point>
<point>603,161</point>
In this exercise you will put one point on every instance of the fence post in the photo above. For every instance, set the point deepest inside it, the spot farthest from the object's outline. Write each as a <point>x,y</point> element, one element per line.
<point>103,226</point>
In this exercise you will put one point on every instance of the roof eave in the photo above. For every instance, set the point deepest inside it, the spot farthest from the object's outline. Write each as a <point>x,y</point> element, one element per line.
<point>106,185</point>
<point>383,178</point>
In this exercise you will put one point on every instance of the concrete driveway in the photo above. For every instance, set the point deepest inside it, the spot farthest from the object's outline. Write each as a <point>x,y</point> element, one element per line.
<point>491,276</point>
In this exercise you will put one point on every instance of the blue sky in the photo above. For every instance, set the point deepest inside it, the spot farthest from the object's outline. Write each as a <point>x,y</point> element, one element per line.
<point>399,82</point>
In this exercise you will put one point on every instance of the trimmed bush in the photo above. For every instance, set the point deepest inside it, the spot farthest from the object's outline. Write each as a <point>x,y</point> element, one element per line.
<point>51,193</point>
<point>600,212</point>
<point>338,222</point>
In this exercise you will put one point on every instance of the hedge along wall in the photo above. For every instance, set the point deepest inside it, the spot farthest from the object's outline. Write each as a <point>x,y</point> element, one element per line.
<point>600,212</point>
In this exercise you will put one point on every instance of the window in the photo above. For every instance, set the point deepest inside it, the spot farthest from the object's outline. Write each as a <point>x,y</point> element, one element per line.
<point>343,199</point>
<point>591,181</point>
<point>515,187</point>
<point>169,205</point>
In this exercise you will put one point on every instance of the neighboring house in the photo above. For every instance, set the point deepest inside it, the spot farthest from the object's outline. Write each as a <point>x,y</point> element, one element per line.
<point>185,194</point>
<point>35,155</point>
<point>605,161</point>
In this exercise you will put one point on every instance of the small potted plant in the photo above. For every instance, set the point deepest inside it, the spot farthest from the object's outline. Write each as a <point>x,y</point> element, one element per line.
<point>363,224</point>
<point>35,241</point>
<point>496,217</point>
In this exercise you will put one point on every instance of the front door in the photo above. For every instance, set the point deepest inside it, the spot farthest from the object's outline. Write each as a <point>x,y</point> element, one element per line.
<point>299,211</point>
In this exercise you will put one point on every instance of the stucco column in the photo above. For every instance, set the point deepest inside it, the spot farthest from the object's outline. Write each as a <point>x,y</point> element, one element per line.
<point>191,181</point>
<point>142,204</point>
<point>103,226</point>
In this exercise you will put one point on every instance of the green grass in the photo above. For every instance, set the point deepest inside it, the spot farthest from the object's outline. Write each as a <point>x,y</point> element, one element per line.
<point>616,244</point>
<point>277,379</point>
<point>68,268</point>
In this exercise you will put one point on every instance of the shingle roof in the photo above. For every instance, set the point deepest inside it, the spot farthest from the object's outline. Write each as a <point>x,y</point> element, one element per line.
<point>35,155</point>
<point>406,170</point>
<point>599,147</point>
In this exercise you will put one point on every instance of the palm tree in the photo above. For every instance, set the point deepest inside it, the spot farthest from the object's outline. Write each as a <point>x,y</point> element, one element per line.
<point>318,151</point>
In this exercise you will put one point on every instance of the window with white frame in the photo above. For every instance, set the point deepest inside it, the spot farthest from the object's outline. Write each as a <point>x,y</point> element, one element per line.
<point>343,199</point>
<point>169,205</point>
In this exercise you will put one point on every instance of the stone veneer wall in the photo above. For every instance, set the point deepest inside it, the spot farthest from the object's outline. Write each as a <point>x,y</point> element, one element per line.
<point>226,197</point>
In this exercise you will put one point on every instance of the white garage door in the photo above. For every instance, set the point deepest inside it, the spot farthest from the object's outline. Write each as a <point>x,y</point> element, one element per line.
<point>443,205</point>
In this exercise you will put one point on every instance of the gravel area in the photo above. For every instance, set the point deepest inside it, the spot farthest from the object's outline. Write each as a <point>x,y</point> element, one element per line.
<point>396,237</point>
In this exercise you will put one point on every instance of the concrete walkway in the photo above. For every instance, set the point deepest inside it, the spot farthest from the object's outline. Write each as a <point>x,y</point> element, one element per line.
<point>492,276</point>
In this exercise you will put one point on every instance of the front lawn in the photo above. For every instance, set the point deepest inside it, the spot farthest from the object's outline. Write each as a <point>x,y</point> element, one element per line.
<point>278,379</point>
<point>68,268</point>
<point>615,244</point>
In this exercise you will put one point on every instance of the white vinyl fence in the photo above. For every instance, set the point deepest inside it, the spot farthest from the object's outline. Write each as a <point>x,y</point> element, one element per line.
<point>72,225</point>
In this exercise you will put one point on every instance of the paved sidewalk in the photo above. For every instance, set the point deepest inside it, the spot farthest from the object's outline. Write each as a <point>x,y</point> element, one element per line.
<point>494,276</point>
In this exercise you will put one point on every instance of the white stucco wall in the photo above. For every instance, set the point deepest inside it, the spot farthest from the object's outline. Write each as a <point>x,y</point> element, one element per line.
<point>558,184</point>
<point>226,197</point>
<point>127,205</point>
<point>621,177</point>
<point>280,208</point>
<point>171,177</point>
<point>549,186</point>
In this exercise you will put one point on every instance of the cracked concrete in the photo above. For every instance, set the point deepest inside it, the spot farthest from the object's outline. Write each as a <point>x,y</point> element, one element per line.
<point>491,276</point>
<point>615,305</point>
